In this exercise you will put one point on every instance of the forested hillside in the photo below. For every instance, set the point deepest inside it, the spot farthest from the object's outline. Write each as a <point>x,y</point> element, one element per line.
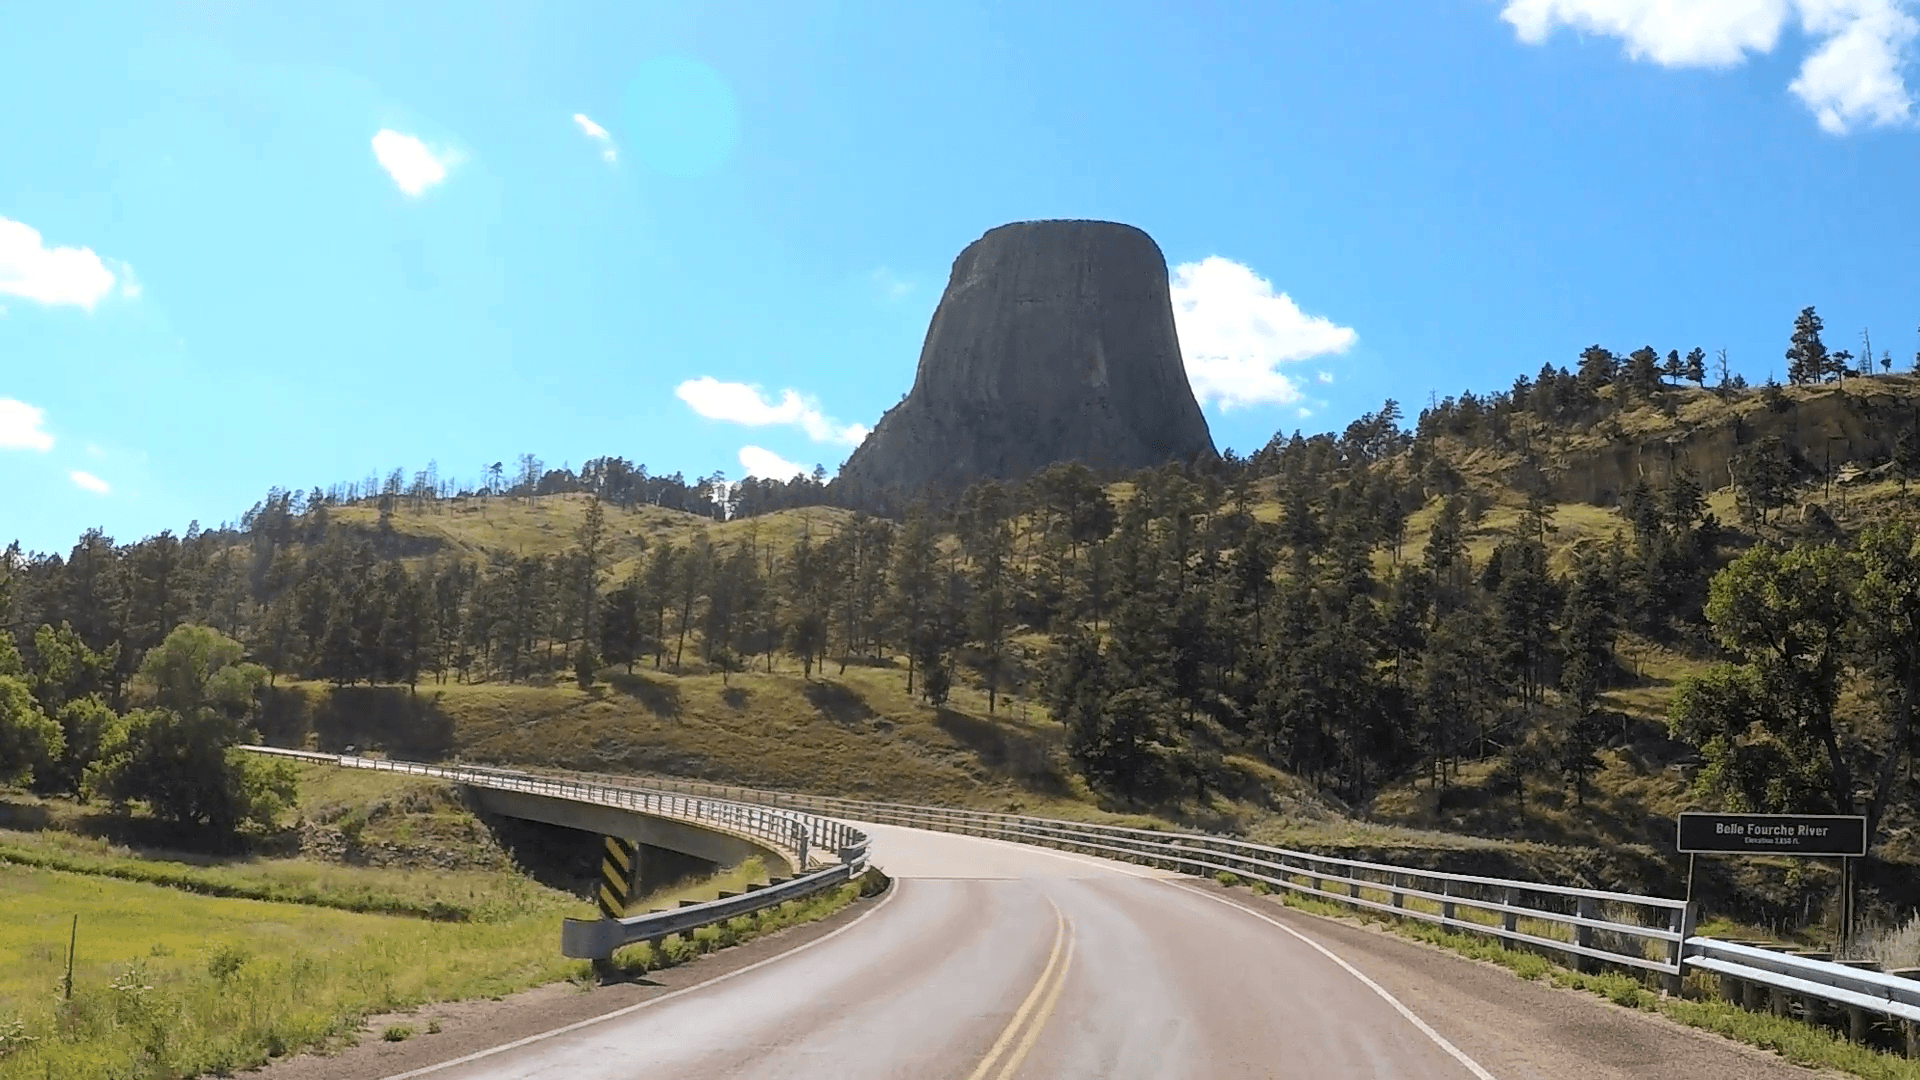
<point>1410,622</point>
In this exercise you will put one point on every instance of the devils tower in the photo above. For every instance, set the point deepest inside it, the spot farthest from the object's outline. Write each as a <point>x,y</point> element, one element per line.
<point>1054,341</point>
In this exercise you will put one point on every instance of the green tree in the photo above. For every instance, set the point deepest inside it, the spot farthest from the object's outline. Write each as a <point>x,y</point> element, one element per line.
<point>1643,371</point>
<point>911,599</point>
<point>1906,457</point>
<point>180,756</point>
<point>30,741</point>
<point>1885,636</point>
<point>621,632</point>
<point>663,569</point>
<point>87,726</point>
<point>590,555</point>
<point>1784,616</point>
<point>988,543</point>
<point>1763,477</point>
<point>1807,355</point>
<point>1587,631</point>
<point>1696,367</point>
<point>65,669</point>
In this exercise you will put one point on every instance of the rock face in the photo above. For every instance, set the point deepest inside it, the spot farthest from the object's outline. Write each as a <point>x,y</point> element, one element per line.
<point>1054,341</point>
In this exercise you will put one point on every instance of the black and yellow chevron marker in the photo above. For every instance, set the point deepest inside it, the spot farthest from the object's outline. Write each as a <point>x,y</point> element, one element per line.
<point>616,876</point>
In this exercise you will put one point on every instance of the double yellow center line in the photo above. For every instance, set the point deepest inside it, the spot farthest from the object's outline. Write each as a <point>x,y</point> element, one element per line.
<point>1028,1020</point>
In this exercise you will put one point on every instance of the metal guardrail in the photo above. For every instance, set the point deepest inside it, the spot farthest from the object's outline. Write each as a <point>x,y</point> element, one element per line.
<point>1782,983</point>
<point>1755,978</point>
<point>1587,926</point>
<point>777,829</point>
<point>1601,927</point>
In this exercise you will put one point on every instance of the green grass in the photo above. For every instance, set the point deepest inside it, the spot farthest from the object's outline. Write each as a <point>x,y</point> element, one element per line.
<point>306,974</point>
<point>472,528</point>
<point>172,983</point>
<point>423,814</point>
<point>447,895</point>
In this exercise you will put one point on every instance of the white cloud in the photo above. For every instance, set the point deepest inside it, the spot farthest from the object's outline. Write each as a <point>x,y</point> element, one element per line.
<point>891,285</point>
<point>60,275</point>
<point>768,465</point>
<point>740,403</point>
<point>86,481</point>
<point>1853,77</point>
<point>608,151</point>
<point>21,426</point>
<point>414,165</point>
<point>1237,332</point>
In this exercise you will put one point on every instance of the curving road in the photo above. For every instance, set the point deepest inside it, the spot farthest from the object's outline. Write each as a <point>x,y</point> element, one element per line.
<point>991,961</point>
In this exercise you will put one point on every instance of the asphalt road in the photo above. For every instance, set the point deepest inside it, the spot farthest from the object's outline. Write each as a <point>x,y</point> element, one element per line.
<point>990,961</point>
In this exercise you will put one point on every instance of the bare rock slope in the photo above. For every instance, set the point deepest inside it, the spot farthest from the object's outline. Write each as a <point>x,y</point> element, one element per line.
<point>1054,341</point>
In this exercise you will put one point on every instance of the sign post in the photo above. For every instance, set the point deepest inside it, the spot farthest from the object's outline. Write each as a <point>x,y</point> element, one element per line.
<point>1833,835</point>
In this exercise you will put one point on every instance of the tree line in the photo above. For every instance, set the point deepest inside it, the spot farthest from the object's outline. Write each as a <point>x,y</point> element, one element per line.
<point>1176,626</point>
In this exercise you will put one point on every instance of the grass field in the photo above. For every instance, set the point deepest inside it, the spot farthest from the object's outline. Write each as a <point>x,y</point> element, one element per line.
<point>169,984</point>
<point>189,963</point>
<point>174,982</point>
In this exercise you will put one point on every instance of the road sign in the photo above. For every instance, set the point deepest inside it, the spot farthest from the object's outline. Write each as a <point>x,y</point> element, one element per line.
<point>1773,834</point>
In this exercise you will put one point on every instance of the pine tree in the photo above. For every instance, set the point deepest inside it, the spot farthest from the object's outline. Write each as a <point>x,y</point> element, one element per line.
<point>590,551</point>
<point>621,635</point>
<point>1696,367</point>
<point>1587,629</point>
<point>911,598</point>
<point>696,568</point>
<point>1807,355</point>
<point>663,570</point>
<point>988,544</point>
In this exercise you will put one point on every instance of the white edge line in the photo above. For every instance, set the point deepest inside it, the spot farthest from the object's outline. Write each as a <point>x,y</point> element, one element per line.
<point>892,889</point>
<point>1426,1029</point>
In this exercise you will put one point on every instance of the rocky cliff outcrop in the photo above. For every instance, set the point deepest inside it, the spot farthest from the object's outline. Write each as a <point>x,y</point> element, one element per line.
<point>1054,341</point>
<point>1825,426</point>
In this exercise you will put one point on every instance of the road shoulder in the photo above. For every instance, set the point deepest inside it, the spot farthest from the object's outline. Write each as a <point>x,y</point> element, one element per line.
<point>1521,1028</point>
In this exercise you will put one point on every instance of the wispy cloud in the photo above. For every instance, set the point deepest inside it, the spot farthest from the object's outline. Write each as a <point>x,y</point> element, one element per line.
<point>767,465</point>
<point>23,426</point>
<point>608,151</point>
<point>86,481</point>
<point>413,164</point>
<point>1854,77</point>
<point>741,403</point>
<point>891,285</point>
<point>1237,333</point>
<point>52,275</point>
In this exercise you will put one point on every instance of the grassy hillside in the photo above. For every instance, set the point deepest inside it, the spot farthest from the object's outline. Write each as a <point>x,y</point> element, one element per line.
<point>476,527</point>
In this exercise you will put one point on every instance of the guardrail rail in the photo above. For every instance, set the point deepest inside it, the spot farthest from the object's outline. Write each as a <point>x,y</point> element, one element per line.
<point>1589,926</point>
<point>598,938</point>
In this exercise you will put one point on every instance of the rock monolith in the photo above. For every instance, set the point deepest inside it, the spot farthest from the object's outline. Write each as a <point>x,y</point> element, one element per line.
<point>1054,341</point>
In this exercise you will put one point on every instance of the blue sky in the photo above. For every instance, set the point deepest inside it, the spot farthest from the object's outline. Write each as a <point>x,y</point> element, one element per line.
<point>249,245</point>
